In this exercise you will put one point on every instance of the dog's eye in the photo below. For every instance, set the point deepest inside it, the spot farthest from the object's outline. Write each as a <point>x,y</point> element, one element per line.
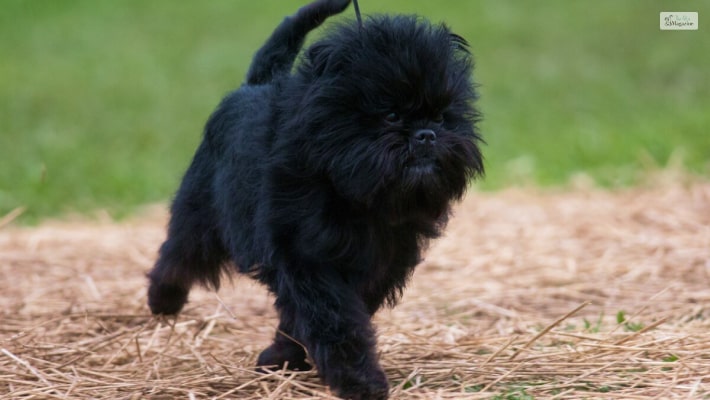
<point>438,118</point>
<point>393,118</point>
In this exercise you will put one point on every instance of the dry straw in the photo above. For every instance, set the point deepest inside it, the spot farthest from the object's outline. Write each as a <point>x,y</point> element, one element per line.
<point>581,294</point>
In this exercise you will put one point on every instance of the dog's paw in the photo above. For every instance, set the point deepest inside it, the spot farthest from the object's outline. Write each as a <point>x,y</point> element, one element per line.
<point>282,353</point>
<point>166,299</point>
<point>370,386</point>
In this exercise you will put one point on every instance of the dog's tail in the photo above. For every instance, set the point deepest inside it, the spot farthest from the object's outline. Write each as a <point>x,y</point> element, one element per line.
<point>278,54</point>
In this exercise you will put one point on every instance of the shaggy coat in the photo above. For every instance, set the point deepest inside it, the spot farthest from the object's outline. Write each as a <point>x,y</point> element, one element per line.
<point>326,182</point>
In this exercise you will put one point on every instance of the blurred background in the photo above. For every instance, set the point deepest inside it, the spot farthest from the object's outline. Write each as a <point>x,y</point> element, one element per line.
<point>102,102</point>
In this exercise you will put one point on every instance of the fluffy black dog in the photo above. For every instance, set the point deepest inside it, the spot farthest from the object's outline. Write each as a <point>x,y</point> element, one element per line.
<point>325,183</point>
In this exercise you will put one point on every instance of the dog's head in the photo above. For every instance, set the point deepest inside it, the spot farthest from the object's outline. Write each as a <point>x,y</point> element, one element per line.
<point>388,113</point>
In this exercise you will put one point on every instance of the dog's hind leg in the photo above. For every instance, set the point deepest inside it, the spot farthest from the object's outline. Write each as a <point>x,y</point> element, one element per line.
<point>192,253</point>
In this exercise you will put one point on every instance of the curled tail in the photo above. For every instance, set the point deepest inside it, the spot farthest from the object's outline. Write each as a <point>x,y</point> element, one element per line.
<point>278,54</point>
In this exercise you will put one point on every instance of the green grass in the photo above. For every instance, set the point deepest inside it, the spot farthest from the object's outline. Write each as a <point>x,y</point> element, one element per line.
<point>628,326</point>
<point>102,102</point>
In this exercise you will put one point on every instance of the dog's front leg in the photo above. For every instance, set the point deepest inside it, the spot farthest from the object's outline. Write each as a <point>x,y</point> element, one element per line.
<point>327,316</point>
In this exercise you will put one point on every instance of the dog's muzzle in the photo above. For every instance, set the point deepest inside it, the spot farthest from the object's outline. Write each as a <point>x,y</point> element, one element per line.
<point>425,137</point>
<point>422,144</point>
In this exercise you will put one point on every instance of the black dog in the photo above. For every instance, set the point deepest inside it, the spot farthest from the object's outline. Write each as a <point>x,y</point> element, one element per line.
<point>325,184</point>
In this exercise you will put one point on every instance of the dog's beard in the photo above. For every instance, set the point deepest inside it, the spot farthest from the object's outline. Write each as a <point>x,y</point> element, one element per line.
<point>391,172</point>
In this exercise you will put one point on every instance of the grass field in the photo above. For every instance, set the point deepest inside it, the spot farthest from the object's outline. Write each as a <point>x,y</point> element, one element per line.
<point>102,102</point>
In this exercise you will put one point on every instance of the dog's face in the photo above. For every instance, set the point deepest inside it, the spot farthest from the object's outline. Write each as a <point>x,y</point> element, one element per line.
<point>390,112</point>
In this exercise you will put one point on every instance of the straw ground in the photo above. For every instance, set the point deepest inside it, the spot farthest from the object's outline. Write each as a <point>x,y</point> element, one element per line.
<point>531,294</point>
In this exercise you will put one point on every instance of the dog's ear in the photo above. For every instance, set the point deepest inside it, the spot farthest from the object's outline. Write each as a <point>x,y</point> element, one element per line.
<point>459,43</point>
<point>322,59</point>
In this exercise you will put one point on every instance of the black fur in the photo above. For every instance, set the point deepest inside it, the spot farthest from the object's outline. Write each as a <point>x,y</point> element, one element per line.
<point>325,183</point>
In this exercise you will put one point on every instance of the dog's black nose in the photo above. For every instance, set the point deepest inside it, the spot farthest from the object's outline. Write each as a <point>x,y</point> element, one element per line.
<point>425,136</point>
